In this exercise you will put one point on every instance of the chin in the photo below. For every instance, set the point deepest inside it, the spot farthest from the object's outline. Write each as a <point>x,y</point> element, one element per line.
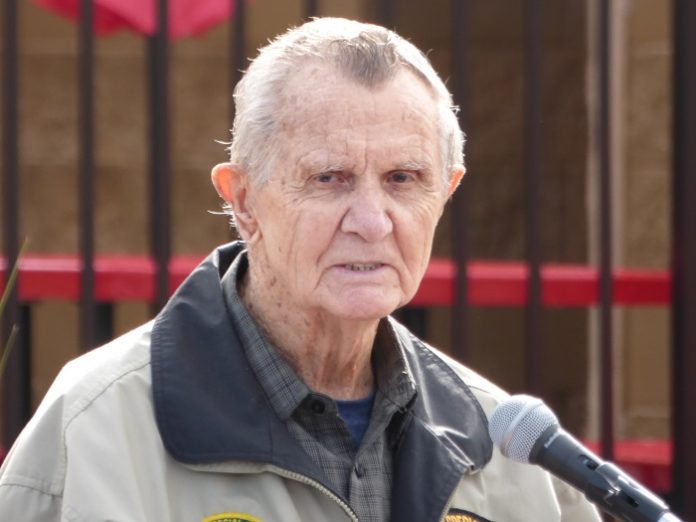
<point>364,310</point>
<point>363,317</point>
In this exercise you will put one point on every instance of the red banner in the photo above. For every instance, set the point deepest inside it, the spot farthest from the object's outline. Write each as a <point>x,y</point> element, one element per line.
<point>186,17</point>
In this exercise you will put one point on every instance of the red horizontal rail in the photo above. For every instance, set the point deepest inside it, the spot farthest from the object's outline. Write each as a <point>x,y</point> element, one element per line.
<point>495,283</point>
<point>491,283</point>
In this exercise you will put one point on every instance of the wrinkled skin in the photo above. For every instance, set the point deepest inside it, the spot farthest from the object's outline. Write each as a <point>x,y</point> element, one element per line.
<point>341,233</point>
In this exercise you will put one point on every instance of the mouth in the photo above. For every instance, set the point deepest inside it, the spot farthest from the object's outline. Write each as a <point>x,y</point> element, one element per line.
<point>362,267</point>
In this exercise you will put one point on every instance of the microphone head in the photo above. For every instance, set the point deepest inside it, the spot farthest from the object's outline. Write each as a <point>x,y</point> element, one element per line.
<point>517,424</point>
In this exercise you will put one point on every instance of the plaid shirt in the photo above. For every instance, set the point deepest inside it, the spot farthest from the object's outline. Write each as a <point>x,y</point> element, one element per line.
<point>362,476</point>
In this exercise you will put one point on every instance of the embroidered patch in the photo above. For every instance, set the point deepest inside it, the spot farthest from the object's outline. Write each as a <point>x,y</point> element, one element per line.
<point>231,517</point>
<point>459,515</point>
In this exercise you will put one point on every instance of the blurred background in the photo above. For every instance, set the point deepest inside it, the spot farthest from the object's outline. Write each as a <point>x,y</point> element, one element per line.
<point>552,265</point>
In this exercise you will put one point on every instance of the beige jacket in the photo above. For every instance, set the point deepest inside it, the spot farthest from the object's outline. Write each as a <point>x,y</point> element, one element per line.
<point>167,424</point>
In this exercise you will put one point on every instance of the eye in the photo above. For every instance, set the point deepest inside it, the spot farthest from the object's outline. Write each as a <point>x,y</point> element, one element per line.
<point>330,177</point>
<point>325,177</point>
<point>401,176</point>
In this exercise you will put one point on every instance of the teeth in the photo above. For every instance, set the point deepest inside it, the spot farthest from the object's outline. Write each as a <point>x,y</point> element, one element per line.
<point>363,267</point>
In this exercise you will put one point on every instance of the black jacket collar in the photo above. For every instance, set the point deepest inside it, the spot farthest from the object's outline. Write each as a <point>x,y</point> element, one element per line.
<point>210,408</point>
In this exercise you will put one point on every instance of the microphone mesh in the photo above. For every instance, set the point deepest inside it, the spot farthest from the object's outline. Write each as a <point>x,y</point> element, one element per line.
<point>517,424</point>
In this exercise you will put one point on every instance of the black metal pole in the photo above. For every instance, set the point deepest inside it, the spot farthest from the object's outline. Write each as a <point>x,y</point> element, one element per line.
<point>159,156</point>
<point>311,8</point>
<point>385,13</point>
<point>237,49</point>
<point>460,218</point>
<point>86,174</point>
<point>605,234</point>
<point>533,33</point>
<point>16,396</point>
<point>684,260</point>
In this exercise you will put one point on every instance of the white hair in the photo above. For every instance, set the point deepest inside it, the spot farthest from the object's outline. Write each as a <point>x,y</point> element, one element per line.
<point>365,53</point>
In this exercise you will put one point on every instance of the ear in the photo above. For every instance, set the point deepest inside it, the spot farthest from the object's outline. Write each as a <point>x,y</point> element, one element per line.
<point>232,184</point>
<point>455,178</point>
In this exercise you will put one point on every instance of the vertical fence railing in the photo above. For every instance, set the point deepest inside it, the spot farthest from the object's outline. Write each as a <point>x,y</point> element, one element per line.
<point>385,13</point>
<point>96,325</point>
<point>605,234</point>
<point>684,259</point>
<point>460,217</point>
<point>16,396</point>
<point>237,50</point>
<point>310,8</point>
<point>86,173</point>
<point>160,188</point>
<point>533,46</point>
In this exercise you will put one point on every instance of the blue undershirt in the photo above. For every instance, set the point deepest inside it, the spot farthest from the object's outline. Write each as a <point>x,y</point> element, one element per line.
<point>356,415</point>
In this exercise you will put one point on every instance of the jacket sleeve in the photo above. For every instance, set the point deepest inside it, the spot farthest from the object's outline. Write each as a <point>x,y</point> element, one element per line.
<point>32,475</point>
<point>20,502</point>
<point>574,506</point>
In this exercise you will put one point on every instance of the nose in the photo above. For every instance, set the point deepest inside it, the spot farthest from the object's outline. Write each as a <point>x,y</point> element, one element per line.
<point>368,215</point>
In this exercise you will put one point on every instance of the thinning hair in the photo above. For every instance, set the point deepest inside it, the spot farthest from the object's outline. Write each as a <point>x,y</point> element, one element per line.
<point>367,54</point>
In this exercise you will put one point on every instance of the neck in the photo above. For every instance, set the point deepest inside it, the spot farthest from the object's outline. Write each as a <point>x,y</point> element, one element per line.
<point>332,356</point>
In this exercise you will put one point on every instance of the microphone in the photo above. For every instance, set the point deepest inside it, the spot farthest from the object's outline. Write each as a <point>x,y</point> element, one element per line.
<point>526,430</point>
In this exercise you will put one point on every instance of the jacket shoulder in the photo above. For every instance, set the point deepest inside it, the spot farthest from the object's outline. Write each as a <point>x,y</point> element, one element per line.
<point>84,379</point>
<point>488,394</point>
<point>38,459</point>
<point>567,503</point>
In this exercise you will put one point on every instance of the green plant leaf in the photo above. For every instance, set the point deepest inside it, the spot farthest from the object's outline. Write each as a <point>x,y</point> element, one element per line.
<point>12,279</point>
<point>8,348</point>
<point>9,286</point>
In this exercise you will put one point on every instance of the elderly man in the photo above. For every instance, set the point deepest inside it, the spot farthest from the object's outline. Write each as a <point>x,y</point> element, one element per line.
<point>274,386</point>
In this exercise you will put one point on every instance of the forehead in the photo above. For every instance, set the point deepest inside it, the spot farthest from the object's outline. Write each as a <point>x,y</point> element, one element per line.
<point>325,113</point>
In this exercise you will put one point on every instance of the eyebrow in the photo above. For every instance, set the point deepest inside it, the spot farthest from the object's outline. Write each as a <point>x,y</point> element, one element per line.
<point>332,167</point>
<point>413,165</point>
<point>319,167</point>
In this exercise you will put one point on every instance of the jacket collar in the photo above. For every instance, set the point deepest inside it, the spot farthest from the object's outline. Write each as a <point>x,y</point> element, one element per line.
<point>199,374</point>
<point>446,437</point>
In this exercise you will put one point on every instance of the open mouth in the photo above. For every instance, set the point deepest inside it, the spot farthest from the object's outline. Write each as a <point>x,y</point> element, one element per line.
<point>363,267</point>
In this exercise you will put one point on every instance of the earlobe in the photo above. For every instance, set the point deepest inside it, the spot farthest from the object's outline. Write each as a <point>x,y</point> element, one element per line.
<point>455,178</point>
<point>232,184</point>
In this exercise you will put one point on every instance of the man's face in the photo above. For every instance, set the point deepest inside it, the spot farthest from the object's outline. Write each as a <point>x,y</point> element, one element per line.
<point>346,220</point>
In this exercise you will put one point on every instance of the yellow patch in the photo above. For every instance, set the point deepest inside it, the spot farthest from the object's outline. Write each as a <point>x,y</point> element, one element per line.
<point>458,515</point>
<point>460,518</point>
<point>231,517</point>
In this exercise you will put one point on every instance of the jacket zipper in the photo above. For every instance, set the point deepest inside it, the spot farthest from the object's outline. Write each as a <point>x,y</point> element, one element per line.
<point>318,486</point>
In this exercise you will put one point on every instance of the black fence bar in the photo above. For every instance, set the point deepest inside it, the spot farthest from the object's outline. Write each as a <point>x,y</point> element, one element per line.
<point>684,260</point>
<point>605,235</point>
<point>86,174</point>
<point>385,13</point>
<point>16,397</point>
<point>237,49</point>
<point>20,404</point>
<point>532,168</point>
<point>310,9</point>
<point>159,155</point>
<point>460,219</point>
<point>415,318</point>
